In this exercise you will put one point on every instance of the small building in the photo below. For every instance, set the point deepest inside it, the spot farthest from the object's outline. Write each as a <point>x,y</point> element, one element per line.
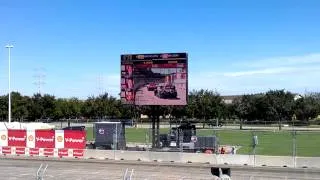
<point>230,99</point>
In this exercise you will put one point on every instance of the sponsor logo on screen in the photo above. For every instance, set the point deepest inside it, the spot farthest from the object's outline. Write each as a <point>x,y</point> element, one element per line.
<point>140,56</point>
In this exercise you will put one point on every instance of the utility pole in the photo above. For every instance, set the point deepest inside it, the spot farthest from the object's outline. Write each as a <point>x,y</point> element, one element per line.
<point>9,81</point>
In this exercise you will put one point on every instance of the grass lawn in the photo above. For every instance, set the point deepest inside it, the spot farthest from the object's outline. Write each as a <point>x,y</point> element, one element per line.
<point>270,143</point>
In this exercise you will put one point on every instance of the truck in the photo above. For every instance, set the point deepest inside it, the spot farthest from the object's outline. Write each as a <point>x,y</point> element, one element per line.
<point>151,86</point>
<point>166,91</point>
<point>184,138</point>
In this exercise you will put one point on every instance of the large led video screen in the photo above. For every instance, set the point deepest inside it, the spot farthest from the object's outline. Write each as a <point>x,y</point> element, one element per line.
<point>154,79</point>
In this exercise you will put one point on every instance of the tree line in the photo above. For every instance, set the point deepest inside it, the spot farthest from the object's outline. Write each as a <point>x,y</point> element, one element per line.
<point>203,106</point>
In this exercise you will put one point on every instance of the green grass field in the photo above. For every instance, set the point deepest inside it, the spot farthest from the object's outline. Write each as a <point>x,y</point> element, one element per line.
<point>270,143</point>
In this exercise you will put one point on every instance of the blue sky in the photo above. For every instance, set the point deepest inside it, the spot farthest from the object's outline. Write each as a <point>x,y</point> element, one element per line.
<point>234,47</point>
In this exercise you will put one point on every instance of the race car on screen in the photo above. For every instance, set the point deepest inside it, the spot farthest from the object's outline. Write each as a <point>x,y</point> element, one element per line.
<point>151,86</point>
<point>167,91</point>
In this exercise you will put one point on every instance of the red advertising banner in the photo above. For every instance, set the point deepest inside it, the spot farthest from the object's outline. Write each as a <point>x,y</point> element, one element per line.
<point>17,138</point>
<point>34,151</point>
<point>62,152</point>
<point>78,152</point>
<point>20,150</point>
<point>48,152</point>
<point>74,139</point>
<point>6,150</point>
<point>45,139</point>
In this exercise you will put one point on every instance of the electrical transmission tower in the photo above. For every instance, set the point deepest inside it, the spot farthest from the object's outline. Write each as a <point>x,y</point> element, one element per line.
<point>39,76</point>
<point>100,85</point>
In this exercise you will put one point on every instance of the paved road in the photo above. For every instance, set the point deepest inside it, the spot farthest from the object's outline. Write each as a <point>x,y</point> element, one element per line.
<point>97,170</point>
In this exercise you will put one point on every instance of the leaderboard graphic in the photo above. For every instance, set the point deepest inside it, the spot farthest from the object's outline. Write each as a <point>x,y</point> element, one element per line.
<point>154,79</point>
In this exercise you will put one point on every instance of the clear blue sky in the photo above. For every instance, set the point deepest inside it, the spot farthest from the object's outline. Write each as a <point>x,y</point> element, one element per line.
<point>234,46</point>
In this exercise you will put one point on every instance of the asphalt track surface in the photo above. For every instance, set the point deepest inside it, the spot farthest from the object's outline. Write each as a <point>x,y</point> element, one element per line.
<point>77,169</point>
<point>143,97</point>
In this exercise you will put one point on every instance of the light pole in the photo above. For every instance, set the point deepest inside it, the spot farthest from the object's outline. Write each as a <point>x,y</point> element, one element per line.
<point>9,82</point>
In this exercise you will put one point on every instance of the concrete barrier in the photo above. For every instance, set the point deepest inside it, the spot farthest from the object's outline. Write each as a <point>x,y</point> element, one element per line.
<point>279,161</point>
<point>132,155</point>
<point>198,158</point>
<point>98,154</point>
<point>165,156</point>
<point>309,162</point>
<point>148,156</point>
<point>220,159</point>
<point>235,159</point>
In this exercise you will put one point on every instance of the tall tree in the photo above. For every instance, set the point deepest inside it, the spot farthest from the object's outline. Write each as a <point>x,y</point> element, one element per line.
<point>3,107</point>
<point>60,109</point>
<point>243,108</point>
<point>306,108</point>
<point>35,109</point>
<point>19,106</point>
<point>280,105</point>
<point>89,109</point>
<point>74,106</point>
<point>48,104</point>
<point>192,105</point>
<point>207,105</point>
